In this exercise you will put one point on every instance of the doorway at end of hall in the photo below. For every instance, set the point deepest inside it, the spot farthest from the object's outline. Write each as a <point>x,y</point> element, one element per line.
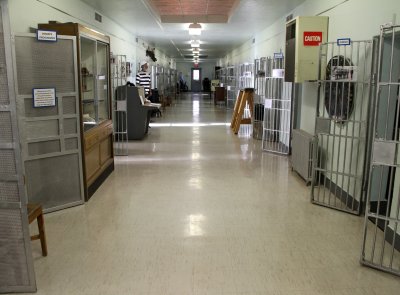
<point>196,80</point>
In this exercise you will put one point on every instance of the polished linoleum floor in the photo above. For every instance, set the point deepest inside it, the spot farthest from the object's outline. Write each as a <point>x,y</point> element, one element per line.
<point>194,209</point>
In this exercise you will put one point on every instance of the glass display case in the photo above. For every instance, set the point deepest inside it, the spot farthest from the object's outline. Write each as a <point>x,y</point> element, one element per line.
<point>93,50</point>
<point>94,82</point>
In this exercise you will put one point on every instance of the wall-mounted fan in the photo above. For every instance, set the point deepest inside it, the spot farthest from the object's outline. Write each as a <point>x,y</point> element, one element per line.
<point>340,89</point>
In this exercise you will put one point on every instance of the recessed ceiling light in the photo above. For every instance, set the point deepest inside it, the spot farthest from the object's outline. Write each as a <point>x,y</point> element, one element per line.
<point>195,29</point>
<point>195,43</point>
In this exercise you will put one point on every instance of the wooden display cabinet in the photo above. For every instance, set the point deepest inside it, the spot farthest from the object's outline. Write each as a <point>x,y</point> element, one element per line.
<point>95,101</point>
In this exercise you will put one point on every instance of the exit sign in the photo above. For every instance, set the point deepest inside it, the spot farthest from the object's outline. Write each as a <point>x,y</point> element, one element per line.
<point>312,38</point>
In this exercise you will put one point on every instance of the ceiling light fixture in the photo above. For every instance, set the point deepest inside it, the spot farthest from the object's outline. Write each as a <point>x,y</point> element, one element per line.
<point>195,29</point>
<point>195,43</point>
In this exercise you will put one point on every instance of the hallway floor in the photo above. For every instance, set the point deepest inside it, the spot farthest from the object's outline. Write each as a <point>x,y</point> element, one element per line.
<point>195,209</point>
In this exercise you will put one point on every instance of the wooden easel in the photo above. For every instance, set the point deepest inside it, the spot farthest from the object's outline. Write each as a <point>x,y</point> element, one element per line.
<point>244,96</point>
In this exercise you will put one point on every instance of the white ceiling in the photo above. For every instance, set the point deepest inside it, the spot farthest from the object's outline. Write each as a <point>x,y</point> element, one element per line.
<point>217,40</point>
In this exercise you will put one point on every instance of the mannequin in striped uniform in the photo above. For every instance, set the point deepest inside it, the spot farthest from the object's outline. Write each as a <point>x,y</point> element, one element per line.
<point>143,79</point>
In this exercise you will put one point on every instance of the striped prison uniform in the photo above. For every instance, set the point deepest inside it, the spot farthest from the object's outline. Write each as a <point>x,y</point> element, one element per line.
<point>143,79</point>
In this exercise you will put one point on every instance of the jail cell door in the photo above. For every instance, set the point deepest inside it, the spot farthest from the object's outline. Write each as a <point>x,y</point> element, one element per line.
<point>16,265</point>
<point>381,243</point>
<point>341,126</point>
<point>277,109</point>
<point>48,115</point>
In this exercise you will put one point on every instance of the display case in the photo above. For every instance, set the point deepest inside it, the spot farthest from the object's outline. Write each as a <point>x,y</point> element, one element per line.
<point>95,101</point>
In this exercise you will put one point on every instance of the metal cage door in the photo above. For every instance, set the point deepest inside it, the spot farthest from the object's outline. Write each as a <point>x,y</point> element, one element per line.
<point>341,126</point>
<point>277,106</point>
<point>16,263</point>
<point>120,113</point>
<point>381,242</point>
<point>50,135</point>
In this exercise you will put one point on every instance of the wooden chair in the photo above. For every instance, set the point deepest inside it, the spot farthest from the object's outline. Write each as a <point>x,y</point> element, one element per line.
<point>35,212</point>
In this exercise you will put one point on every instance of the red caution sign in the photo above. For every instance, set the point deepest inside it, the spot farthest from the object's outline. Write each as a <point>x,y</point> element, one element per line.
<point>312,38</point>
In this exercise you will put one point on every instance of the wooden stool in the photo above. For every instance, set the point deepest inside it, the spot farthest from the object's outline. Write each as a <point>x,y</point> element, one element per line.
<point>35,212</point>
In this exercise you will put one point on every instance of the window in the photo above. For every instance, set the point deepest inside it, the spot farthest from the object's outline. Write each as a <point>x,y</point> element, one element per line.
<point>196,75</point>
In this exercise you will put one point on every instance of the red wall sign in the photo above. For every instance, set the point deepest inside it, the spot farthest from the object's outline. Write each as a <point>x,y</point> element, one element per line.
<point>312,38</point>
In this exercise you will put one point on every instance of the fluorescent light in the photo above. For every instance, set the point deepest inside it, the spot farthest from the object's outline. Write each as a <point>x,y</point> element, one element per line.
<point>195,29</point>
<point>195,43</point>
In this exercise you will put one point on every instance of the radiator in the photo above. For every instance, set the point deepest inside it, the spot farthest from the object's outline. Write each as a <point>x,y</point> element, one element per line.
<point>302,154</point>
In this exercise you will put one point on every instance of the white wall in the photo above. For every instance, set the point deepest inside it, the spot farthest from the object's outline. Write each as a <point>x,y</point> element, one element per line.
<point>26,14</point>
<point>207,70</point>
<point>356,19</point>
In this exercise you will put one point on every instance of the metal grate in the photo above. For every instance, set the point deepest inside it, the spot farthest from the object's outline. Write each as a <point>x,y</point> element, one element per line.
<point>53,167</point>
<point>44,147</point>
<point>30,111</point>
<point>70,126</point>
<point>16,267</point>
<point>9,192</point>
<point>71,144</point>
<point>7,162</point>
<point>5,127</point>
<point>69,105</point>
<point>10,224</point>
<point>341,126</point>
<point>4,95</point>
<point>40,129</point>
<point>35,69</point>
<point>44,180</point>
<point>13,272</point>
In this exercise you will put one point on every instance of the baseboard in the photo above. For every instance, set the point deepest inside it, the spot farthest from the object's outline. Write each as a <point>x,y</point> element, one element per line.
<point>389,238</point>
<point>99,181</point>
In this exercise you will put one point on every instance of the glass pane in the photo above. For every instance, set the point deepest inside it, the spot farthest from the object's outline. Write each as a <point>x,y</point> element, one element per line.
<point>88,63</point>
<point>102,81</point>
<point>196,75</point>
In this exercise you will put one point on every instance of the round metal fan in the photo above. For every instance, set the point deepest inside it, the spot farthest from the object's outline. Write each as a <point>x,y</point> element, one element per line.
<point>339,91</point>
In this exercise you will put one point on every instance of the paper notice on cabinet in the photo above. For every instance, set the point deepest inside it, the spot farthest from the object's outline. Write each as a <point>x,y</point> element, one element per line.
<point>44,97</point>
<point>278,73</point>
<point>268,103</point>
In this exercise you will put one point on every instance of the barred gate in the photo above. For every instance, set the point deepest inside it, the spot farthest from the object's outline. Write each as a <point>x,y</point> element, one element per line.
<point>341,125</point>
<point>277,109</point>
<point>120,112</point>
<point>381,241</point>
